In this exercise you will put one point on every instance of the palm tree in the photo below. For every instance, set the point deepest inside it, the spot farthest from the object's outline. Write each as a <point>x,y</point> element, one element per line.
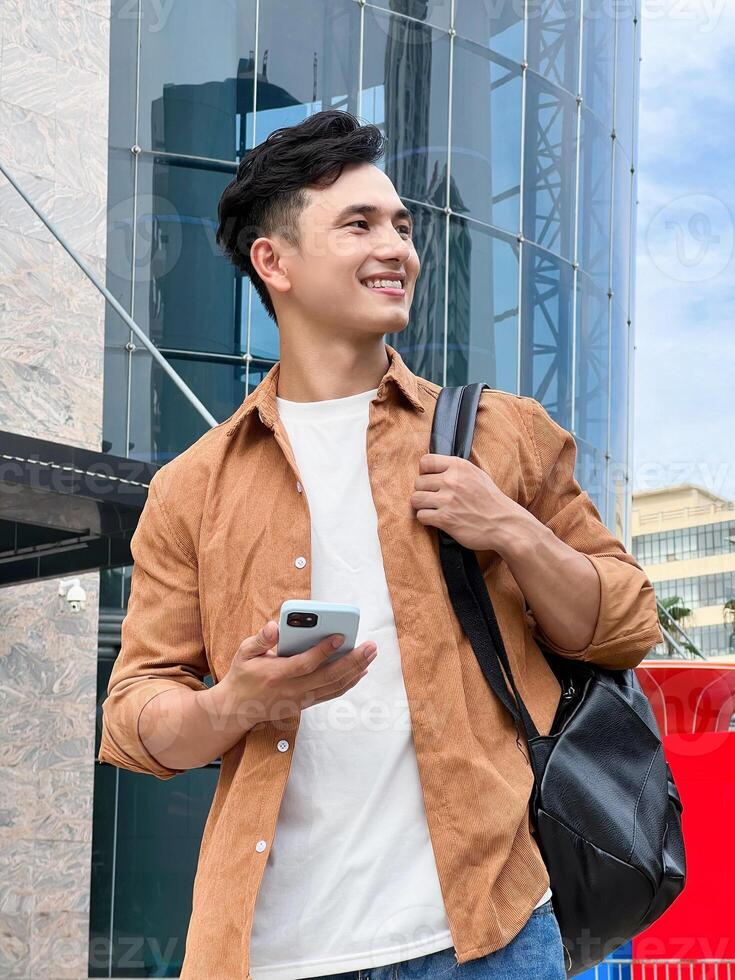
<point>728,613</point>
<point>676,609</point>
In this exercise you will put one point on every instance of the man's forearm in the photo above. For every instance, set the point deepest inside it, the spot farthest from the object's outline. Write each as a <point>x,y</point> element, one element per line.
<point>560,584</point>
<point>185,729</point>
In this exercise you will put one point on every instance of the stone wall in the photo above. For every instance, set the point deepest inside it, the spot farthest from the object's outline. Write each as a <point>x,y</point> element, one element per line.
<point>53,140</point>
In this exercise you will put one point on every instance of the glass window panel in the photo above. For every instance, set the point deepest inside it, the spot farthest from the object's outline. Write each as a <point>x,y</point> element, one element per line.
<point>163,423</point>
<point>714,640</point>
<point>498,26</point>
<point>120,201</point>
<point>592,363</point>
<point>589,472</point>
<point>553,41</point>
<point>434,12</point>
<point>628,523</point>
<point>309,61</point>
<point>617,488</point>
<point>421,343</point>
<point>595,190</point>
<point>483,307</point>
<point>265,341</point>
<point>486,140</point>
<point>632,248</point>
<point>123,71</point>
<point>598,58</point>
<point>636,88</point>
<point>625,70</point>
<point>621,227</point>
<point>196,76</point>
<point>188,296</point>
<point>546,332</point>
<point>102,880</point>
<point>619,384</point>
<point>115,587</point>
<point>258,370</point>
<point>670,544</point>
<point>550,166</point>
<point>150,875</point>
<point>115,388</point>
<point>704,539</point>
<point>406,94</point>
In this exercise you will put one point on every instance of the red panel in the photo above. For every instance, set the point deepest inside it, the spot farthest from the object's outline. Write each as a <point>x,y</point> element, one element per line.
<point>700,924</point>
<point>689,695</point>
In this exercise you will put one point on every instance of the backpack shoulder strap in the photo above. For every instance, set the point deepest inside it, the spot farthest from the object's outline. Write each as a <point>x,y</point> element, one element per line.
<point>451,435</point>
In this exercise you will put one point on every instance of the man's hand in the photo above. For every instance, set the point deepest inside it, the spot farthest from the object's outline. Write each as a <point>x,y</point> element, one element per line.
<point>560,584</point>
<point>461,499</point>
<point>184,729</point>
<point>261,686</point>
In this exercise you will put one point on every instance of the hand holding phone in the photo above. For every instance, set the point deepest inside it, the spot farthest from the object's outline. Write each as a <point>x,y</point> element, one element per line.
<point>263,686</point>
<point>306,622</point>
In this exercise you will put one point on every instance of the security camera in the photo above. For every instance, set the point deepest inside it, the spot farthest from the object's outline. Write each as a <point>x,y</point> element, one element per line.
<point>75,595</point>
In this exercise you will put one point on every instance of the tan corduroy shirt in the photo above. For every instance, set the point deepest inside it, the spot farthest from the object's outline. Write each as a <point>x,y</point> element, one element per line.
<point>217,550</point>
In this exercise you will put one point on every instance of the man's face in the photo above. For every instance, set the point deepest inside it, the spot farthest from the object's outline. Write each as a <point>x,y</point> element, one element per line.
<point>341,248</point>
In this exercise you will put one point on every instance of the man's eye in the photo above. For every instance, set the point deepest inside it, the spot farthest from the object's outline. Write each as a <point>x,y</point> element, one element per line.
<point>362,221</point>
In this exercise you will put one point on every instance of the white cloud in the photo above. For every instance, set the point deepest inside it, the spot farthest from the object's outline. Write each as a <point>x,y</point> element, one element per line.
<point>684,425</point>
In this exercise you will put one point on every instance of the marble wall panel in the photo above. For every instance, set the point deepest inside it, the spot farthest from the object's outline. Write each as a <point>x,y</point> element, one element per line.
<point>53,139</point>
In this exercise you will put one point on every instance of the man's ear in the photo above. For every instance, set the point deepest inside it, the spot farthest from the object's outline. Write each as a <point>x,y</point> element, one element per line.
<point>269,262</point>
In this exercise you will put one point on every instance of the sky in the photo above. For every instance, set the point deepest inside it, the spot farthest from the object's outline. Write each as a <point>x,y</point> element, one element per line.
<point>684,359</point>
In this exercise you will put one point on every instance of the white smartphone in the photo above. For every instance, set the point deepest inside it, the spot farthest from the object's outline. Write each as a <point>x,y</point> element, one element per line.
<point>305,622</point>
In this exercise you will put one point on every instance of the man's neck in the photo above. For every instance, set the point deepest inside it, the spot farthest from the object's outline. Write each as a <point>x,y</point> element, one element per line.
<point>310,374</point>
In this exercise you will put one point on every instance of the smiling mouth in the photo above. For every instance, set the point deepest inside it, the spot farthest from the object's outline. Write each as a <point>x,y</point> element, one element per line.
<point>388,290</point>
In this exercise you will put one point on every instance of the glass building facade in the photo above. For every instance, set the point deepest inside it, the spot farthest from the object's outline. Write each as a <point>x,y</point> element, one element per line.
<point>512,135</point>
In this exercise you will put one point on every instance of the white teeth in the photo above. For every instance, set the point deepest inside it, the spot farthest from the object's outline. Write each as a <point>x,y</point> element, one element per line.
<point>384,283</point>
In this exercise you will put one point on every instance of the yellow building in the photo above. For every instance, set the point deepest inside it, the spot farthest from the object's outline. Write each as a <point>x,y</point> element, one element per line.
<point>684,537</point>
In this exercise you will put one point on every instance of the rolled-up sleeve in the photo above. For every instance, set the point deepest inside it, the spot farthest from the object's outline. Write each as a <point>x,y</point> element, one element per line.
<point>627,626</point>
<point>162,646</point>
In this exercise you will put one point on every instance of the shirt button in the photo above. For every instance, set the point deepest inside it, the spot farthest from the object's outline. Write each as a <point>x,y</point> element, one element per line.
<point>282,745</point>
<point>298,486</point>
<point>300,561</point>
<point>261,845</point>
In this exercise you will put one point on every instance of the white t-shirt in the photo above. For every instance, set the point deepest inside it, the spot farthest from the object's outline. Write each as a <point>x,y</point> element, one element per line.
<point>350,882</point>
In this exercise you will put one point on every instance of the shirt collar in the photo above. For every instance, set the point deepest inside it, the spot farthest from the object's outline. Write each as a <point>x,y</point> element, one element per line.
<point>263,397</point>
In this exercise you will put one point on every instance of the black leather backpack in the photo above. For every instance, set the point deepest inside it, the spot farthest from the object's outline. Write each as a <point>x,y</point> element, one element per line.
<point>604,802</point>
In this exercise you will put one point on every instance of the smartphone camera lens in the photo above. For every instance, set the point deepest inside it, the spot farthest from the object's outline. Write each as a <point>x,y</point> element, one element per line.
<point>302,619</point>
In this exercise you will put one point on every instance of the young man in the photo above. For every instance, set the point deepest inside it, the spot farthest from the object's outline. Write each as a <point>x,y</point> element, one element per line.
<point>392,838</point>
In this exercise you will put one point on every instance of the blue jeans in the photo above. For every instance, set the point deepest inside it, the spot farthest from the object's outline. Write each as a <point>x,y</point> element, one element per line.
<point>536,953</point>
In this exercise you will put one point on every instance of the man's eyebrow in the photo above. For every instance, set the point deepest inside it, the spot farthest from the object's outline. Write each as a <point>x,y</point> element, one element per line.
<point>371,209</point>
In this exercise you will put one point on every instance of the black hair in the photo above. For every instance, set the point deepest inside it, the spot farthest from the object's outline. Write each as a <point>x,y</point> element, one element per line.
<point>268,193</point>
